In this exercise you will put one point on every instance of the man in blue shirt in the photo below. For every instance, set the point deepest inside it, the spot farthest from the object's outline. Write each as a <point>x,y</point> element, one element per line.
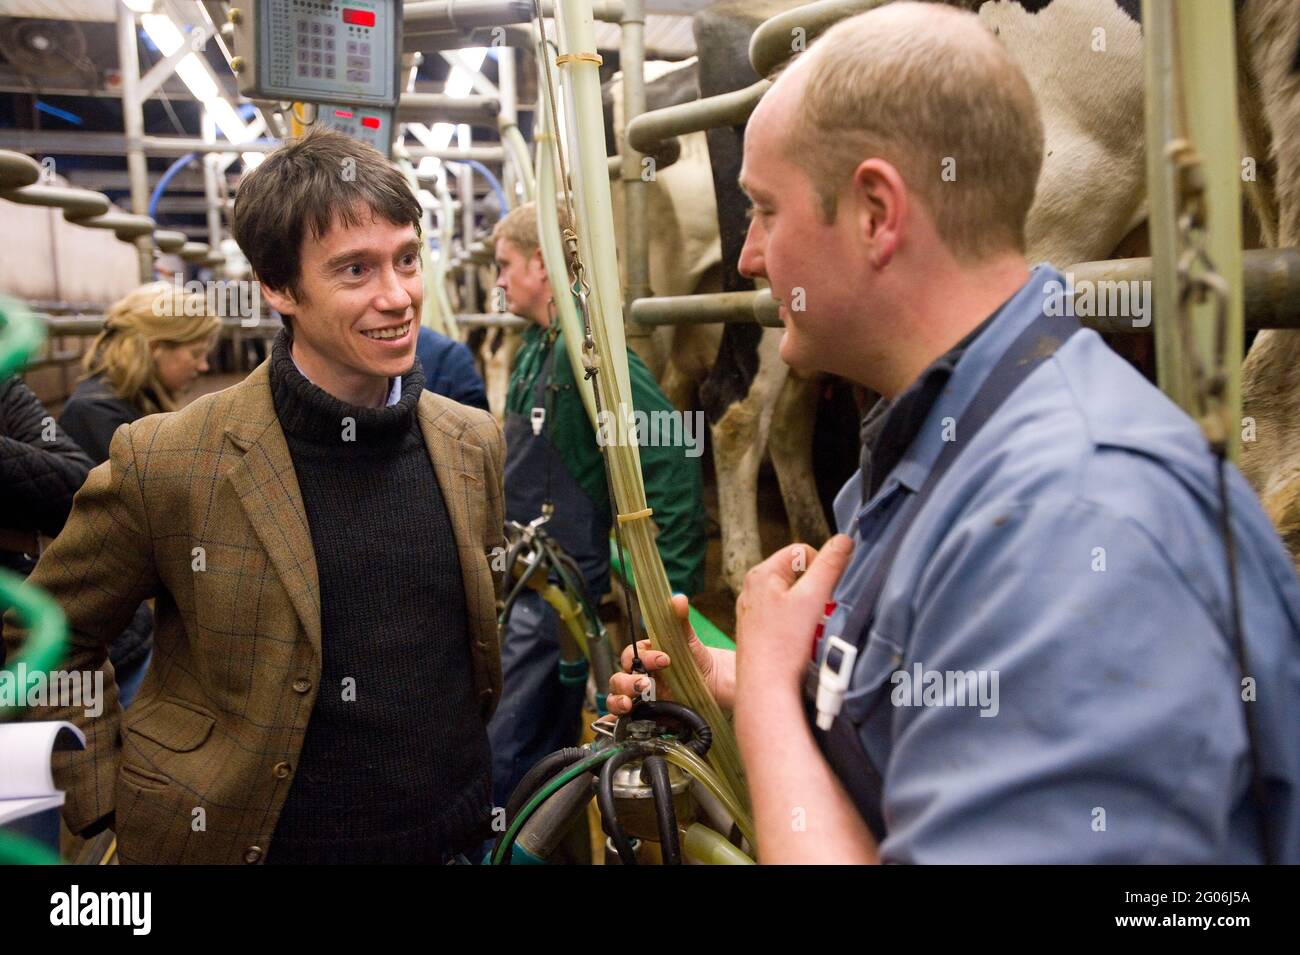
<point>1047,669</point>
<point>449,369</point>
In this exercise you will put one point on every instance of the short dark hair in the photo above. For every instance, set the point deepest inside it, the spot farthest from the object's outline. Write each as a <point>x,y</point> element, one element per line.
<point>308,183</point>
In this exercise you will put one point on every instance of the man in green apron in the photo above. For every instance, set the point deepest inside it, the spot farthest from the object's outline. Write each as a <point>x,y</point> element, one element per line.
<point>552,455</point>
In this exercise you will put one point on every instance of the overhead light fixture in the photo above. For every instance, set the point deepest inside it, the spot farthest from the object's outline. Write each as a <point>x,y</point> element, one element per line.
<point>139,6</point>
<point>168,38</point>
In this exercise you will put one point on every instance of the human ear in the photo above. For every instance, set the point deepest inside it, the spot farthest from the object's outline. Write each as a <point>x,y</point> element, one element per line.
<point>880,203</point>
<point>282,300</point>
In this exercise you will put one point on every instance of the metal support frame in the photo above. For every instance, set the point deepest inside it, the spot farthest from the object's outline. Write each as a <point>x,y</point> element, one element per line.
<point>115,144</point>
<point>650,131</point>
<point>161,71</point>
<point>1270,297</point>
<point>1191,47</point>
<point>434,16</point>
<point>441,108</point>
<point>780,37</point>
<point>133,126</point>
<point>469,276</point>
<point>636,248</point>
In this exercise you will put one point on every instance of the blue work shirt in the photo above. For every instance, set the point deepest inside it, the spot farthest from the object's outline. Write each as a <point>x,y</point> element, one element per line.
<point>1072,554</point>
<point>449,369</point>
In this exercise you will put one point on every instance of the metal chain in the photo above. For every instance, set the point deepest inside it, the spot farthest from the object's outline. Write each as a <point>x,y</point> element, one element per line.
<point>1198,282</point>
<point>581,290</point>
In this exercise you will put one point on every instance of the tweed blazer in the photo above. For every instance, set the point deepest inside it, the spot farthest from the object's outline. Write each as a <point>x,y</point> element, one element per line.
<point>201,510</point>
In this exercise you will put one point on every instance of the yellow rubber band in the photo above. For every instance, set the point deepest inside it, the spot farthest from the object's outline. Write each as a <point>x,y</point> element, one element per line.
<point>635,515</point>
<point>579,58</point>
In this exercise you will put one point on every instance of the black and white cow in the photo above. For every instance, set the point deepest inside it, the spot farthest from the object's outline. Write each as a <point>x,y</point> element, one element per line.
<point>1084,60</point>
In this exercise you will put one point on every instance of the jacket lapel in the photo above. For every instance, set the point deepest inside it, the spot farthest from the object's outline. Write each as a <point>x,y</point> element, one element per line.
<point>267,485</point>
<point>459,467</point>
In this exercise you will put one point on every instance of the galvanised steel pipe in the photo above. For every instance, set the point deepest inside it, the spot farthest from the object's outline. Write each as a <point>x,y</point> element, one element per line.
<point>636,238</point>
<point>1270,288</point>
<point>726,307</point>
<point>499,36</point>
<point>491,320</point>
<point>430,16</point>
<point>124,225</point>
<point>76,203</point>
<point>650,132</point>
<point>441,108</point>
<point>780,37</point>
<point>18,170</point>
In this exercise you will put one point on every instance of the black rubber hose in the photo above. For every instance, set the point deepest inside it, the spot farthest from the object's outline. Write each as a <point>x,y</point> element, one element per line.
<point>518,589</point>
<point>699,735</point>
<point>605,801</point>
<point>549,767</point>
<point>655,769</point>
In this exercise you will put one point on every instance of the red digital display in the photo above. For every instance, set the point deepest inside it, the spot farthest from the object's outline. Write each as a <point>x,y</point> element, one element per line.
<point>361,18</point>
<point>343,113</point>
<point>370,122</point>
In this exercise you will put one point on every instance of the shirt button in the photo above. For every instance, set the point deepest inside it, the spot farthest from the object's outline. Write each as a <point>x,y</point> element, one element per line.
<point>281,770</point>
<point>252,854</point>
<point>301,685</point>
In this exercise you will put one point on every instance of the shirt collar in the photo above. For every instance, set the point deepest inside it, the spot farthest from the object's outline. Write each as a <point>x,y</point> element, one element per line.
<point>394,390</point>
<point>905,433</point>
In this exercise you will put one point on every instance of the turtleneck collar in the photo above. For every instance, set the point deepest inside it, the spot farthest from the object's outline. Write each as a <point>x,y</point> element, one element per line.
<point>313,414</point>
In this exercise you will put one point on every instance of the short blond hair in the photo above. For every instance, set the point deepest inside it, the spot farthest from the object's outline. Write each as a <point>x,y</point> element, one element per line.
<point>519,228</point>
<point>157,313</point>
<point>945,105</point>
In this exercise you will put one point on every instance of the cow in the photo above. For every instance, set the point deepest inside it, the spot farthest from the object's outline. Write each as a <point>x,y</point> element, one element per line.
<point>1090,205</point>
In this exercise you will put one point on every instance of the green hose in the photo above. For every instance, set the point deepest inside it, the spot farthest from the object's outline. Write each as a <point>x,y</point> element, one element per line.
<point>47,628</point>
<point>20,335</point>
<point>707,847</point>
<point>545,793</point>
<point>19,850</point>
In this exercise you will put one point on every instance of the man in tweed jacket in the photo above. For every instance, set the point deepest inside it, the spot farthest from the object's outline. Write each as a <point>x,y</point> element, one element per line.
<point>318,540</point>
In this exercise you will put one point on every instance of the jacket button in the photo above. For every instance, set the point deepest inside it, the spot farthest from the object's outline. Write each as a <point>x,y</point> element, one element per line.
<point>252,854</point>
<point>301,685</point>
<point>281,770</point>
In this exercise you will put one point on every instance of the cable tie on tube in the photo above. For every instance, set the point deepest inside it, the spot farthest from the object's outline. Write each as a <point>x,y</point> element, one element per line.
<point>579,58</point>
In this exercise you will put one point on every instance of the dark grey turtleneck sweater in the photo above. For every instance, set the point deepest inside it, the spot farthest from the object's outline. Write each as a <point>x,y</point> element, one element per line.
<point>394,766</point>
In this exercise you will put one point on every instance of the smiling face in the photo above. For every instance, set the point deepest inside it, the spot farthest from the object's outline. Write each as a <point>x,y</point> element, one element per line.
<point>356,307</point>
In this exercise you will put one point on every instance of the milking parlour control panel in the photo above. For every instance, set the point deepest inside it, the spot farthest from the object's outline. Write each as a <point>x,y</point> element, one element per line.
<point>319,51</point>
<point>369,124</point>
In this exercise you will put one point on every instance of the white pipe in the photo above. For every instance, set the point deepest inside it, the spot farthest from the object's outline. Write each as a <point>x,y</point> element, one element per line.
<point>589,173</point>
<point>446,223</point>
<point>548,236</point>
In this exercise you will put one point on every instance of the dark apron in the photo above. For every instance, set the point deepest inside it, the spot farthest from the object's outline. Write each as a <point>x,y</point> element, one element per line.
<point>842,745</point>
<point>538,713</point>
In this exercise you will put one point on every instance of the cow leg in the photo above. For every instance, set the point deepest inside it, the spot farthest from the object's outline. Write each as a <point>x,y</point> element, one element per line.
<point>500,357</point>
<point>739,440</point>
<point>789,441</point>
<point>1270,376</point>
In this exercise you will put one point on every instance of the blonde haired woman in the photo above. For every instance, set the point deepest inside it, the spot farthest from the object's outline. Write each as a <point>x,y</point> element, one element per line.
<point>154,345</point>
